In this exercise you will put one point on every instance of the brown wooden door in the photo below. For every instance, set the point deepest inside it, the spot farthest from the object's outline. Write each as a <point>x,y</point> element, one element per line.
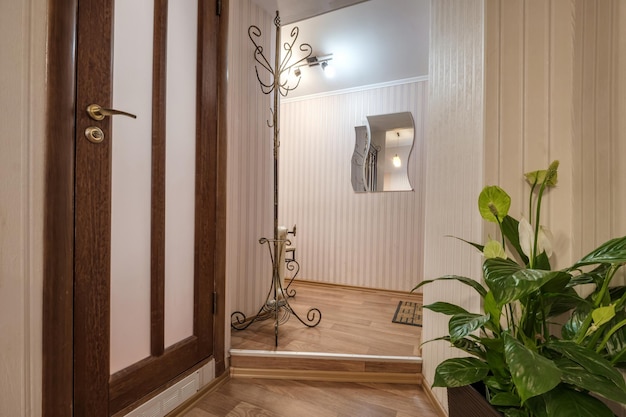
<point>98,391</point>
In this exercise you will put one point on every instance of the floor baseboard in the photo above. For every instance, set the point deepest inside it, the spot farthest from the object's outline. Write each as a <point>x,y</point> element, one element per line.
<point>330,376</point>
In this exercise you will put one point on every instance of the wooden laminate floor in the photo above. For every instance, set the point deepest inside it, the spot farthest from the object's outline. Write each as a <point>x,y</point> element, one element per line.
<point>354,321</point>
<point>280,398</point>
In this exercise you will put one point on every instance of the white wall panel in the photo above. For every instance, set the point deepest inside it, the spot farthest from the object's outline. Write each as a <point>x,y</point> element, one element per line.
<point>250,175</point>
<point>454,166</point>
<point>370,240</point>
<point>22,148</point>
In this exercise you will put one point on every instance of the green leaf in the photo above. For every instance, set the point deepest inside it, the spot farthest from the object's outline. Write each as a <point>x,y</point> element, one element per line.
<point>575,374</point>
<point>460,325</point>
<point>564,402</point>
<point>497,363</point>
<point>468,346</point>
<point>617,342</point>
<point>491,307</point>
<point>463,280</point>
<point>602,315</point>
<point>510,229</point>
<point>509,282</point>
<point>493,200</point>
<point>542,262</point>
<point>494,249</point>
<point>588,359</point>
<point>563,301</point>
<point>458,372</point>
<point>446,308</point>
<point>505,399</point>
<point>612,252</point>
<point>571,328</point>
<point>476,245</point>
<point>532,373</point>
<point>515,412</point>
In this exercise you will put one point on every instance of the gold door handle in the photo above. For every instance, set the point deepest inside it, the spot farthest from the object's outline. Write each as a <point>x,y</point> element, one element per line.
<point>96,112</point>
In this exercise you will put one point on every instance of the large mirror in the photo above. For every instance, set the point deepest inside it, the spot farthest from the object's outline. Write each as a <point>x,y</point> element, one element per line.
<point>381,153</point>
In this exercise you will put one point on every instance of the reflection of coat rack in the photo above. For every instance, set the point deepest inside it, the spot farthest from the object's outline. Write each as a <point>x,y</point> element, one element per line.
<point>276,304</point>
<point>371,168</point>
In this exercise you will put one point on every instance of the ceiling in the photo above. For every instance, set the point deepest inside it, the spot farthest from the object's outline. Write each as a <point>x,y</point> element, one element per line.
<point>371,42</point>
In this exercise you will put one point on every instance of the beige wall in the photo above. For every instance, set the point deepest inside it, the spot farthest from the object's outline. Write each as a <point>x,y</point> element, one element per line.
<point>250,176</point>
<point>372,240</point>
<point>22,40</point>
<point>454,167</point>
<point>553,89</point>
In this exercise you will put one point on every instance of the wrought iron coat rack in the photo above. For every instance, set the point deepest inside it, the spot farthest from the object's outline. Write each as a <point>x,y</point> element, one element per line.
<point>276,304</point>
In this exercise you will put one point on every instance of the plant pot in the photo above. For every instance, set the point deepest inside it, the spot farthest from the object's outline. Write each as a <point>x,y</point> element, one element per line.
<point>469,401</point>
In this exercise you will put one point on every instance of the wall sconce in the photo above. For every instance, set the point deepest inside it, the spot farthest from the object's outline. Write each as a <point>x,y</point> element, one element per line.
<point>315,61</point>
<point>396,159</point>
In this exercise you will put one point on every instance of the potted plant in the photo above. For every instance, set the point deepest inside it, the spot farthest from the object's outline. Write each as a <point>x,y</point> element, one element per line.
<point>541,346</point>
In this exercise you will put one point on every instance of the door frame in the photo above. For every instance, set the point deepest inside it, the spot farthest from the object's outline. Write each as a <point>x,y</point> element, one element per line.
<point>59,199</point>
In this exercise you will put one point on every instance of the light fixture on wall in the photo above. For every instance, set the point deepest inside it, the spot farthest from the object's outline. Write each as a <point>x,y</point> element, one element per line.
<point>396,159</point>
<point>314,61</point>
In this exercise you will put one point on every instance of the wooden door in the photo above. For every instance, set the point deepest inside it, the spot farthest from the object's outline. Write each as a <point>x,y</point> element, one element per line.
<point>145,256</point>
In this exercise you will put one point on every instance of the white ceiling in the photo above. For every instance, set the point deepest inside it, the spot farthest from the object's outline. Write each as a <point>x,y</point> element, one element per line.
<point>372,41</point>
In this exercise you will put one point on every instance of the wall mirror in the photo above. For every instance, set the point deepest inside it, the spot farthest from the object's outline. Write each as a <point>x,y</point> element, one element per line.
<point>381,153</point>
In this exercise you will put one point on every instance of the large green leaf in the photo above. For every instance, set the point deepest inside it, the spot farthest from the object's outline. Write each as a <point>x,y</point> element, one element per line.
<point>588,359</point>
<point>460,325</point>
<point>509,282</point>
<point>493,200</point>
<point>532,373</point>
<point>446,308</point>
<point>464,280</point>
<point>575,374</point>
<point>612,252</point>
<point>458,372</point>
<point>564,402</point>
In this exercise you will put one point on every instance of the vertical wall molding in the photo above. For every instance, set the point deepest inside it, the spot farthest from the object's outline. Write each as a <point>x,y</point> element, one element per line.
<point>249,197</point>
<point>22,110</point>
<point>554,86</point>
<point>454,167</point>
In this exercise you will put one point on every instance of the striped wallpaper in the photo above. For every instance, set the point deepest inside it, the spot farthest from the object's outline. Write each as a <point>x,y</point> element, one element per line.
<point>369,240</point>
<point>454,173</point>
<point>513,85</point>
<point>551,71</point>
<point>249,177</point>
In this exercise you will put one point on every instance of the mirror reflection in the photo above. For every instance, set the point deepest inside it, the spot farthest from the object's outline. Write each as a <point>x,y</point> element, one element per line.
<point>381,153</point>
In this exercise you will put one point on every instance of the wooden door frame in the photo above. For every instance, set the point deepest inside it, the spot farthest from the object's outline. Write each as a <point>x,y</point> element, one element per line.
<point>58,294</point>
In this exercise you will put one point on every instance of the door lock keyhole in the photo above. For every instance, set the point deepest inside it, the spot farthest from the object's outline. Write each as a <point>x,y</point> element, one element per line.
<point>94,134</point>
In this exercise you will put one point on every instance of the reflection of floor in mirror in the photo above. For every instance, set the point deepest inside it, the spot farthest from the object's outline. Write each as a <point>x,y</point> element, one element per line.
<point>354,321</point>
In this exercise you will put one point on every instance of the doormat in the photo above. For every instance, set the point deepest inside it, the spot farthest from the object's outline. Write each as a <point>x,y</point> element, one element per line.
<point>408,312</point>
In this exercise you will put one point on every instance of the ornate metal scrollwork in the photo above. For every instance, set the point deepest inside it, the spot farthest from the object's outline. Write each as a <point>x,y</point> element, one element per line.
<point>276,303</point>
